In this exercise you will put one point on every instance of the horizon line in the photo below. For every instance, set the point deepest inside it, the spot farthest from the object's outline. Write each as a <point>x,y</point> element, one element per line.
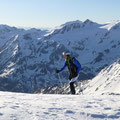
<point>48,28</point>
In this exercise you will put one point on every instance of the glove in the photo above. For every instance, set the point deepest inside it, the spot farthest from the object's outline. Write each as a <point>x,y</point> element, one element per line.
<point>70,77</point>
<point>57,71</point>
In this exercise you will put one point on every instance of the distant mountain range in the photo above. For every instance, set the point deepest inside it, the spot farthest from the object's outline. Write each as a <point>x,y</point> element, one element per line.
<point>28,58</point>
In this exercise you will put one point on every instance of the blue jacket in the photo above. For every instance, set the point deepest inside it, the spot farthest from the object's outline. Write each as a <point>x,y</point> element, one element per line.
<point>76,63</point>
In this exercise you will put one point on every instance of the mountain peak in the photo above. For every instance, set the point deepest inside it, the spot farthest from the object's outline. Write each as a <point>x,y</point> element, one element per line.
<point>71,23</point>
<point>68,26</point>
<point>89,22</point>
<point>7,28</point>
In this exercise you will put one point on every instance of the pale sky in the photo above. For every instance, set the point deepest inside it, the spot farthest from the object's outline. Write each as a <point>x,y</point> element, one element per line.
<point>52,13</point>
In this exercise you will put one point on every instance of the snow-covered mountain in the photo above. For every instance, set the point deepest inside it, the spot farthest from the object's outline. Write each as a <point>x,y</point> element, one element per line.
<point>28,58</point>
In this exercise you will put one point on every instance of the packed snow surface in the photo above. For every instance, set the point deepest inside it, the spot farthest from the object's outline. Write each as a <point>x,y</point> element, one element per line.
<point>19,106</point>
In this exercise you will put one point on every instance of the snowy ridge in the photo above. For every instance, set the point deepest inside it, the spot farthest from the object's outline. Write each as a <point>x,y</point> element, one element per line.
<point>64,27</point>
<point>72,22</point>
<point>109,25</point>
<point>106,82</point>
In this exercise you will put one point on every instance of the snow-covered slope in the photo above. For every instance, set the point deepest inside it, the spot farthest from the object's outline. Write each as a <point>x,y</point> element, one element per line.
<point>28,59</point>
<point>17,106</point>
<point>106,82</point>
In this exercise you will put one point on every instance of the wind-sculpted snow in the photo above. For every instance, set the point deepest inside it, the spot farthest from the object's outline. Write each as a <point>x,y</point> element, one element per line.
<point>17,106</point>
<point>29,58</point>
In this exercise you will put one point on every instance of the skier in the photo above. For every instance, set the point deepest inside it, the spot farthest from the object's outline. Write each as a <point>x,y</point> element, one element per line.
<point>74,68</point>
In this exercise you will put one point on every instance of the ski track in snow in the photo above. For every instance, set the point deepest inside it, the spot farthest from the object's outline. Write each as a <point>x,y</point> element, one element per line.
<point>19,106</point>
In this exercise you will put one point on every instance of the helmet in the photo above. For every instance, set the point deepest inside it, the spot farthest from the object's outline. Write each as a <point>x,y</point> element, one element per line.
<point>66,53</point>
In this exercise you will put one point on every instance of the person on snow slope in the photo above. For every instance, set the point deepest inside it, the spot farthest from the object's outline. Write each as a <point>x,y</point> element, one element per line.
<point>74,68</point>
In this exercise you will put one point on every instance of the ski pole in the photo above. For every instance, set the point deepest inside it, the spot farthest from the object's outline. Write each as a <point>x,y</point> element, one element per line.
<point>81,88</point>
<point>59,79</point>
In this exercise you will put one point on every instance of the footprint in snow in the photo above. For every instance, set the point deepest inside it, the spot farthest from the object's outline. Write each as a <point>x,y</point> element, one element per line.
<point>88,106</point>
<point>118,113</point>
<point>46,113</point>
<point>69,112</point>
<point>107,108</point>
<point>15,107</point>
<point>2,107</point>
<point>99,116</point>
<point>54,109</point>
<point>114,116</point>
<point>91,102</point>
<point>1,114</point>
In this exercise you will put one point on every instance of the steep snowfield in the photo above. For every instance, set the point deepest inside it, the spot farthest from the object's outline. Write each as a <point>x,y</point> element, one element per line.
<point>17,106</point>
<point>106,82</point>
